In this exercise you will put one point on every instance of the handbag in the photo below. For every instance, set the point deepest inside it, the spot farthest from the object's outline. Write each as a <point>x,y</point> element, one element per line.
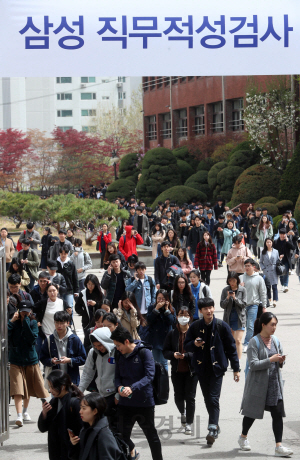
<point>280,268</point>
<point>48,369</point>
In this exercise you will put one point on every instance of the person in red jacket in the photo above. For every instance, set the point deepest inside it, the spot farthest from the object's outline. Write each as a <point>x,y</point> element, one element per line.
<point>206,257</point>
<point>129,242</point>
<point>104,238</point>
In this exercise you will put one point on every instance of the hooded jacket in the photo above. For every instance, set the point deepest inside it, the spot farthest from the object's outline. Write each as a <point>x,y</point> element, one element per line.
<point>128,243</point>
<point>21,341</point>
<point>82,260</point>
<point>104,365</point>
<point>71,346</point>
<point>237,265</point>
<point>68,270</point>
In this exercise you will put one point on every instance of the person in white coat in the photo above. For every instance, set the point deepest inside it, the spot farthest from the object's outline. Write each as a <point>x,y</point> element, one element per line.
<point>268,260</point>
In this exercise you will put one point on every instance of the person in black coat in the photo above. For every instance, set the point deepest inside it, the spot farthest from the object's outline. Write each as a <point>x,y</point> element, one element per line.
<point>195,236</point>
<point>96,441</point>
<point>183,377</point>
<point>61,414</point>
<point>67,268</point>
<point>162,263</point>
<point>46,243</point>
<point>182,295</point>
<point>284,247</point>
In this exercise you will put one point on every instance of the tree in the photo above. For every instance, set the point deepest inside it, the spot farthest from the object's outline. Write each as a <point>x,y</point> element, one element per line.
<point>226,179</point>
<point>254,182</point>
<point>297,210</point>
<point>284,205</point>
<point>182,153</point>
<point>267,199</point>
<point>205,165</point>
<point>128,168</point>
<point>180,195</point>
<point>185,170</point>
<point>242,158</point>
<point>18,206</point>
<point>198,181</point>
<point>13,146</point>
<point>213,173</point>
<point>204,146</point>
<point>290,181</point>
<point>121,187</point>
<point>159,172</point>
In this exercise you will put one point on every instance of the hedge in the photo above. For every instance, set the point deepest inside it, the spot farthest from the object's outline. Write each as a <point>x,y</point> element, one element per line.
<point>242,158</point>
<point>159,172</point>
<point>297,210</point>
<point>267,199</point>
<point>182,153</point>
<point>245,145</point>
<point>213,173</point>
<point>185,170</point>
<point>128,169</point>
<point>226,177</point>
<point>290,181</point>
<point>271,207</point>
<point>120,187</point>
<point>276,222</point>
<point>284,206</point>
<point>254,182</point>
<point>199,177</point>
<point>205,165</point>
<point>180,194</point>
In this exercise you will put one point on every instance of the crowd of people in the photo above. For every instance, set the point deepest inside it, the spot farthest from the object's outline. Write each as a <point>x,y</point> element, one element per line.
<point>134,324</point>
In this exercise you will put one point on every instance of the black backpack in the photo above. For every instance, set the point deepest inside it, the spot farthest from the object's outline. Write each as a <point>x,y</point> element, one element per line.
<point>124,448</point>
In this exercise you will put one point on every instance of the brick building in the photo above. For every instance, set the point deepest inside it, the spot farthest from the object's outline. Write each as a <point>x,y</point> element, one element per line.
<point>176,108</point>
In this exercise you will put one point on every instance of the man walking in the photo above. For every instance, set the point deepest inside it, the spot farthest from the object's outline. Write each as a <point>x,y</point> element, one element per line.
<point>284,247</point>
<point>32,235</point>
<point>162,263</point>
<point>8,244</point>
<point>195,236</point>
<point>54,250</point>
<point>141,223</point>
<point>30,259</point>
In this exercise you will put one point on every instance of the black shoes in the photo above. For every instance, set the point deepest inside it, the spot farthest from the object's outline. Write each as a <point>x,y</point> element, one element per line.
<point>212,436</point>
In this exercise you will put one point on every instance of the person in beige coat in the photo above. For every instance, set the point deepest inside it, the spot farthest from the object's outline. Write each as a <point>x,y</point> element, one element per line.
<point>237,255</point>
<point>9,247</point>
<point>158,236</point>
<point>129,314</point>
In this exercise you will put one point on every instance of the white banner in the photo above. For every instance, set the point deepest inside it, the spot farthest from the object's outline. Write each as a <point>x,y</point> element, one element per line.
<point>159,37</point>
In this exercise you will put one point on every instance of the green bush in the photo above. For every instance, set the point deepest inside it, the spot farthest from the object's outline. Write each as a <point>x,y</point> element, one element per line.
<point>182,153</point>
<point>205,165</point>
<point>198,181</point>
<point>267,199</point>
<point>271,207</point>
<point>159,172</point>
<point>297,210</point>
<point>222,152</point>
<point>290,181</point>
<point>284,206</point>
<point>120,187</point>
<point>246,146</point>
<point>225,194</point>
<point>180,194</point>
<point>254,182</point>
<point>226,177</point>
<point>128,169</point>
<point>242,158</point>
<point>213,173</point>
<point>185,170</point>
<point>276,222</point>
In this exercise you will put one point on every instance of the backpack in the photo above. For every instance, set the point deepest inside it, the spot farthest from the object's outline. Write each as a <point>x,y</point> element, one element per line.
<point>247,368</point>
<point>173,271</point>
<point>19,244</point>
<point>124,448</point>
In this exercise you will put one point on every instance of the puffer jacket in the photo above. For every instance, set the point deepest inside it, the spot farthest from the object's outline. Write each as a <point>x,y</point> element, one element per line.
<point>237,265</point>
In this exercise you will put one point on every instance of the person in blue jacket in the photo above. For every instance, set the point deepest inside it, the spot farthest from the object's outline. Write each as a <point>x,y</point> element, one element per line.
<point>212,344</point>
<point>135,370</point>
<point>63,350</point>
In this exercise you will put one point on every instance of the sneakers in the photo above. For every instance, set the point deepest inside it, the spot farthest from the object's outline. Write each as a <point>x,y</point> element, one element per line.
<point>274,303</point>
<point>285,289</point>
<point>244,443</point>
<point>26,417</point>
<point>282,451</point>
<point>220,265</point>
<point>19,420</point>
<point>212,435</point>
<point>183,419</point>
<point>245,348</point>
<point>188,429</point>
<point>292,272</point>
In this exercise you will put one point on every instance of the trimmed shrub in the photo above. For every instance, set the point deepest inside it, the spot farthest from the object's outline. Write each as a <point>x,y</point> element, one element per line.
<point>290,181</point>
<point>254,182</point>
<point>120,187</point>
<point>267,199</point>
<point>226,177</point>
<point>297,210</point>
<point>272,208</point>
<point>185,170</point>
<point>159,172</point>
<point>242,158</point>
<point>213,173</point>
<point>205,165</point>
<point>128,169</point>
<point>276,222</point>
<point>180,194</point>
<point>245,145</point>
<point>225,194</point>
<point>182,153</point>
<point>222,152</point>
<point>284,206</point>
<point>198,181</point>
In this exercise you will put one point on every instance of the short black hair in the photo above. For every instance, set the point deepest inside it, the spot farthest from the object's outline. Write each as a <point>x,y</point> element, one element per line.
<point>26,242</point>
<point>139,208</point>
<point>133,259</point>
<point>30,225</point>
<point>165,243</point>
<point>4,228</point>
<point>14,279</point>
<point>65,248</point>
<point>52,264</point>
<point>237,238</point>
<point>44,274</point>
<point>114,257</point>
<point>258,209</point>
<point>233,275</point>
<point>61,231</point>
<point>110,317</point>
<point>205,302</point>
<point>282,231</point>
<point>78,242</point>
<point>264,209</point>
<point>120,334</point>
<point>106,302</point>
<point>250,261</point>
<point>95,401</point>
<point>140,265</point>
<point>62,317</point>
<point>164,217</point>
<point>99,314</point>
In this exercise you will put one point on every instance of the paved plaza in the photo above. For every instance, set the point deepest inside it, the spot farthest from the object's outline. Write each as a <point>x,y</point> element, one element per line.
<point>28,443</point>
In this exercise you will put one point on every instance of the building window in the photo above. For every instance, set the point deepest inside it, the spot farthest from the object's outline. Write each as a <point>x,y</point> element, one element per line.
<point>65,113</point>
<point>63,79</point>
<point>217,117</point>
<point>167,81</point>
<point>88,113</point>
<point>166,131</point>
<point>65,128</point>
<point>89,129</point>
<point>145,83</point>
<point>199,127</point>
<point>64,96</point>
<point>152,83</point>
<point>152,134</point>
<point>121,95</point>
<point>105,98</point>
<point>182,130</point>
<point>237,122</point>
<point>191,78</point>
<point>175,80</point>
<point>87,96</point>
<point>122,79</point>
<point>182,79</point>
<point>88,79</point>
<point>159,81</point>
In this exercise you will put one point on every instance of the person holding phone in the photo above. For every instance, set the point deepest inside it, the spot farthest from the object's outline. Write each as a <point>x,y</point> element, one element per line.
<point>129,242</point>
<point>264,385</point>
<point>237,255</point>
<point>183,376</point>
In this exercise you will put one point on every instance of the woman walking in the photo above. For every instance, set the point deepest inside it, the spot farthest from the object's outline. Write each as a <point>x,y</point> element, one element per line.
<point>17,267</point>
<point>229,233</point>
<point>174,241</point>
<point>111,248</point>
<point>185,262</point>
<point>129,314</point>
<point>206,257</point>
<point>46,244</point>
<point>182,295</point>
<point>237,255</point>
<point>268,260</point>
<point>264,386</point>
<point>104,237</point>
<point>264,231</point>
<point>199,290</point>
<point>158,236</point>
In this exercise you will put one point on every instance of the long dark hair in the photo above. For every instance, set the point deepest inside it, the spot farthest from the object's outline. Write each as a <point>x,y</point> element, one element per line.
<point>265,249</point>
<point>167,298</point>
<point>107,254</point>
<point>202,242</point>
<point>94,279</point>
<point>264,319</point>
<point>20,267</point>
<point>186,291</point>
<point>48,229</point>
<point>131,297</point>
<point>173,243</point>
<point>59,379</point>
<point>160,228</point>
<point>95,401</point>
<point>261,224</point>
<point>185,258</point>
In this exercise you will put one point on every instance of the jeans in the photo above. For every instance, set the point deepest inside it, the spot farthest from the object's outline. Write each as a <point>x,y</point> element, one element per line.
<point>185,387</point>
<point>7,266</point>
<point>81,284</point>
<point>38,345</point>
<point>159,357</point>
<point>251,317</point>
<point>211,390</point>
<point>275,292</point>
<point>191,256</point>
<point>31,283</point>
<point>69,299</point>
<point>144,416</point>
<point>219,249</point>
<point>284,279</point>
<point>43,261</point>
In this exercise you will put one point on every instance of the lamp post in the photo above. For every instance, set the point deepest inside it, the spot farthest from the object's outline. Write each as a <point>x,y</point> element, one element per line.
<point>115,159</point>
